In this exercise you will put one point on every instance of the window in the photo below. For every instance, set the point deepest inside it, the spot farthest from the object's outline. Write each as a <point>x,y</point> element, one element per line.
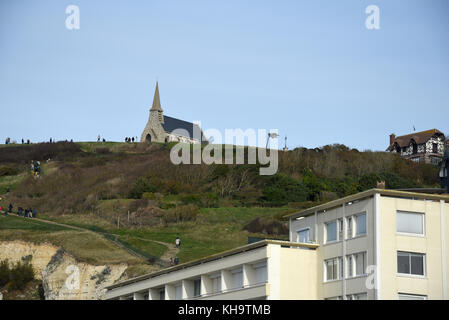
<point>178,292</point>
<point>410,222</point>
<point>261,272</point>
<point>304,235</point>
<point>238,278</point>
<point>360,222</point>
<point>340,268</point>
<point>411,263</point>
<point>357,296</point>
<point>334,298</point>
<point>331,231</point>
<point>340,229</point>
<point>349,234</point>
<point>162,294</point>
<point>333,269</point>
<point>414,147</point>
<point>360,263</point>
<point>216,283</point>
<point>406,296</point>
<point>350,268</point>
<point>434,148</point>
<point>197,288</point>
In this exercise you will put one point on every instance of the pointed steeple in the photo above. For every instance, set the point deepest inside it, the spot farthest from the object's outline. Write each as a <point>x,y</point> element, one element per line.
<point>156,100</point>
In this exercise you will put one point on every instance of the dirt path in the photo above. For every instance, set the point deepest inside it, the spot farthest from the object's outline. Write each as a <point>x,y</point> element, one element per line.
<point>171,252</point>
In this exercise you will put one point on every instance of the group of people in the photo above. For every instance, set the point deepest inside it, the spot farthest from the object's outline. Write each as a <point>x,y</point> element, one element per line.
<point>35,168</point>
<point>8,141</point>
<point>128,139</point>
<point>175,261</point>
<point>27,213</point>
<point>99,139</point>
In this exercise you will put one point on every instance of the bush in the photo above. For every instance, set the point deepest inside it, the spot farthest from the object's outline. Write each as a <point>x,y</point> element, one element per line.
<point>16,277</point>
<point>8,171</point>
<point>4,273</point>
<point>141,186</point>
<point>192,199</point>
<point>281,189</point>
<point>20,275</point>
<point>266,226</point>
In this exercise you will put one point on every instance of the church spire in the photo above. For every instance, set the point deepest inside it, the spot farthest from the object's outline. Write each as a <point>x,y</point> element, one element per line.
<point>156,100</point>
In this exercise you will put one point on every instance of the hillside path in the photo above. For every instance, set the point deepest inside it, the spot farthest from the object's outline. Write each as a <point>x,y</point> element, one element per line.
<point>171,252</point>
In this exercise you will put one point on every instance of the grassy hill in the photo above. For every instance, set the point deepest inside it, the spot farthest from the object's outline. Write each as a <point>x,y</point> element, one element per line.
<point>134,194</point>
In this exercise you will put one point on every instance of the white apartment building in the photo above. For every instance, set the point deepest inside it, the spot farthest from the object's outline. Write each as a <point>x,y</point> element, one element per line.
<point>255,271</point>
<point>377,244</point>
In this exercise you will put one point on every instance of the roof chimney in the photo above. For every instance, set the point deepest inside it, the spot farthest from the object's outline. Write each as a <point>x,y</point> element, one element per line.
<point>380,184</point>
<point>392,137</point>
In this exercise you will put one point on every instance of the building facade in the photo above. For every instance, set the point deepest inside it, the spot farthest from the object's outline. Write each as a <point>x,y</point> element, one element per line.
<point>160,128</point>
<point>259,271</point>
<point>377,244</point>
<point>422,147</point>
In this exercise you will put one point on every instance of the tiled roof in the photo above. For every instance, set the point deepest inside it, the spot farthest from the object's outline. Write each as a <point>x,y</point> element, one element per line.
<point>418,137</point>
<point>171,124</point>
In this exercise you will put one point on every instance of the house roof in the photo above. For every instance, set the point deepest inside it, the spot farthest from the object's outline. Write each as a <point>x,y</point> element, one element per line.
<point>418,137</point>
<point>185,128</point>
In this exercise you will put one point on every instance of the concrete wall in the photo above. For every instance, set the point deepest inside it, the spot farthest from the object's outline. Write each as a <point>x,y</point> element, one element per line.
<point>433,244</point>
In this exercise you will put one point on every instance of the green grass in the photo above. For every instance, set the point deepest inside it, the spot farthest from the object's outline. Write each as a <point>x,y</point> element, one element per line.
<point>14,222</point>
<point>216,230</point>
<point>146,248</point>
<point>10,182</point>
<point>91,146</point>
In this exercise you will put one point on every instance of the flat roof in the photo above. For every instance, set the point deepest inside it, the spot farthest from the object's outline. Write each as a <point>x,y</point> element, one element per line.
<point>213,257</point>
<point>366,194</point>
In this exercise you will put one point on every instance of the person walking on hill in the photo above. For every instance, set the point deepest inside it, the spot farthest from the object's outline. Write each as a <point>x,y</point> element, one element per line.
<point>10,208</point>
<point>178,242</point>
<point>34,213</point>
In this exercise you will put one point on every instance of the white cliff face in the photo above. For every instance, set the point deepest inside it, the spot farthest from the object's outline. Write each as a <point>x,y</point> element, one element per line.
<point>40,255</point>
<point>63,277</point>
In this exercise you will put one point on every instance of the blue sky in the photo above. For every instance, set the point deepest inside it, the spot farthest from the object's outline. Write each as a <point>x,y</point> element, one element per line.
<point>307,68</point>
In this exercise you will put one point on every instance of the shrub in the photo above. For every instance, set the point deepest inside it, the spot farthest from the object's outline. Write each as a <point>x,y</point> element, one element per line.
<point>192,199</point>
<point>4,273</point>
<point>266,226</point>
<point>104,150</point>
<point>16,277</point>
<point>20,275</point>
<point>141,186</point>
<point>281,189</point>
<point>8,171</point>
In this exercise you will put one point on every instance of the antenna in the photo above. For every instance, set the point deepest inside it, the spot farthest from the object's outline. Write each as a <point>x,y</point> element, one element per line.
<point>273,135</point>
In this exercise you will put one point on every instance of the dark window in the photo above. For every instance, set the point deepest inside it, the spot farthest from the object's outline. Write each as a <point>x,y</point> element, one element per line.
<point>415,148</point>
<point>197,288</point>
<point>411,263</point>
<point>162,294</point>
<point>434,148</point>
